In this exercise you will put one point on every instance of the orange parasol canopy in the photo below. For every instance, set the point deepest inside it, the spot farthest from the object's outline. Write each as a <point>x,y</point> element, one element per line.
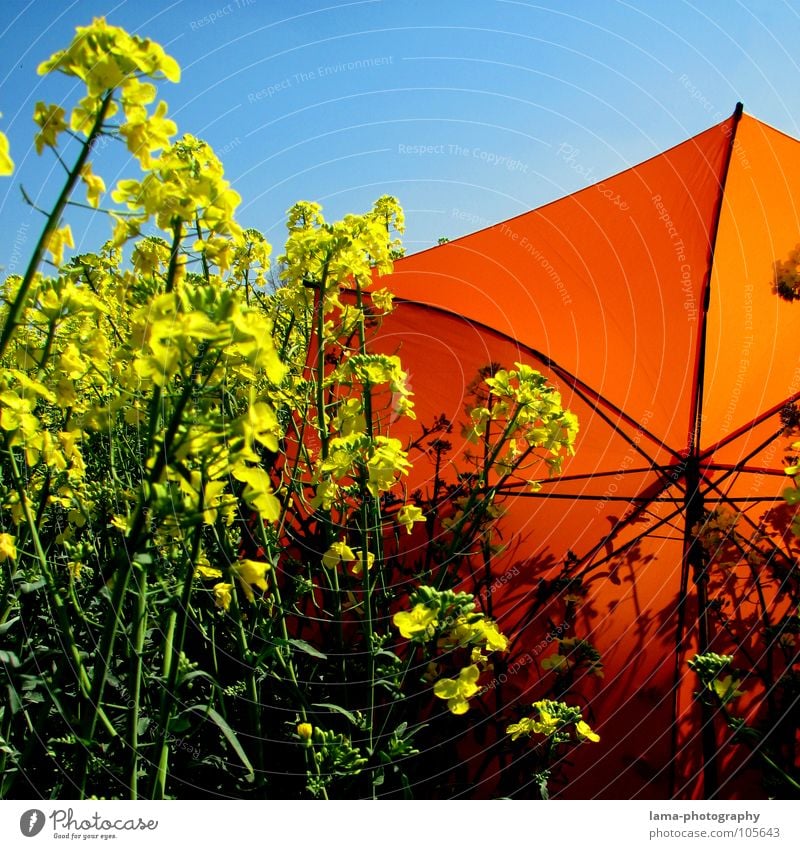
<point>648,299</point>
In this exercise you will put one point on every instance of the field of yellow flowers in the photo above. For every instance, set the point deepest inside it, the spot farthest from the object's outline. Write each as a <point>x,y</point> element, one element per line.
<point>202,587</point>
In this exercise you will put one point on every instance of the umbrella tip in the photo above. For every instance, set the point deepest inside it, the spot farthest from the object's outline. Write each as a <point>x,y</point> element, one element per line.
<point>737,112</point>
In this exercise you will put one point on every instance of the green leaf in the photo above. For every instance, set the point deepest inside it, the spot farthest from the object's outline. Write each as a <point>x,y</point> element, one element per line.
<point>390,654</point>
<point>229,734</point>
<point>338,709</point>
<point>9,658</point>
<point>196,673</point>
<point>14,700</point>
<point>308,648</point>
<point>4,628</point>
<point>179,724</point>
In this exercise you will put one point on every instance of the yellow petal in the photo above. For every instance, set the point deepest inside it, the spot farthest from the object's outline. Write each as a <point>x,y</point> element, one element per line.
<point>6,162</point>
<point>446,688</point>
<point>458,706</point>
<point>585,732</point>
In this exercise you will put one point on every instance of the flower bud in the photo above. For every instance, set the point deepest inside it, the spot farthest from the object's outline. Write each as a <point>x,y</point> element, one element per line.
<point>304,732</point>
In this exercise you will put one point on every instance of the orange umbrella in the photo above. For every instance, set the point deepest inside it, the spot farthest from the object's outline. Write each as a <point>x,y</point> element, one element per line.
<point>649,300</point>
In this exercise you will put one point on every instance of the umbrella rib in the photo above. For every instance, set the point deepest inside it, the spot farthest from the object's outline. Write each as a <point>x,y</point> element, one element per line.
<point>575,383</point>
<point>645,499</point>
<point>738,467</point>
<point>584,477</point>
<point>696,415</point>
<point>735,470</point>
<point>776,548</point>
<point>746,428</point>
<point>760,499</point>
<point>608,537</point>
<point>581,388</point>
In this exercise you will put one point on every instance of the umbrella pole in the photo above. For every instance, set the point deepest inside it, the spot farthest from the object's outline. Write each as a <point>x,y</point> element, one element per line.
<point>694,563</point>
<point>694,558</point>
<point>698,562</point>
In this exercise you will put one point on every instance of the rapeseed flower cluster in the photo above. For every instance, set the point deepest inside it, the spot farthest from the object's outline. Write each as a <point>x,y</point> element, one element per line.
<point>197,453</point>
<point>556,721</point>
<point>447,622</point>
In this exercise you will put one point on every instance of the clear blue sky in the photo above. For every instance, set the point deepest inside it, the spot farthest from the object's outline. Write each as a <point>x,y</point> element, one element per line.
<point>469,112</point>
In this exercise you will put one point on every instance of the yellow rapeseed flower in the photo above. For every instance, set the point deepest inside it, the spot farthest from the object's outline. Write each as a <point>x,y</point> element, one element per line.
<point>493,639</point>
<point>418,622</point>
<point>584,732</point>
<point>94,185</point>
<point>458,691</point>
<point>361,561</point>
<point>57,241</point>
<point>145,134</point>
<point>258,491</point>
<point>8,548</point>
<point>726,688</point>
<point>519,729</point>
<point>388,460</point>
<point>104,56</point>
<point>6,162</point>
<point>222,595</point>
<point>408,514</point>
<point>547,723</point>
<point>50,119</point>
<point>204,570</point>
<point>251,572</point>
<point>339,552</point>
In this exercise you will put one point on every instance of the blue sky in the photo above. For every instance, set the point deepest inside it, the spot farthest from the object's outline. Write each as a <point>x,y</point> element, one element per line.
<point>469,112</point>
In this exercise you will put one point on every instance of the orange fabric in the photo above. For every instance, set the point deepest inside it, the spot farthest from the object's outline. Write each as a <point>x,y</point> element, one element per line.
<point>752,363</point>
<point>602,291</point>
<point>599,281</point>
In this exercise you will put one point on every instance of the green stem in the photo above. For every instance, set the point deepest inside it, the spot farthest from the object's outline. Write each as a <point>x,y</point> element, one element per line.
<point>5,742</point>
<point>94,710</point>
<point>781,772</point>
<point>288,662</point>
<point>370,631</point>
<point>174,253</point>
<point>53,219</point>
<point>474,510</point>
<point>174,649</point>
<point>56,597</point>
<point>371,531</point>
<point>738,724</point>
<point>103,660</point>
<point>339,616</point>
<point>246,656</point>
<point>124,569</point>
<point>138,650</point>
<point>254,703</point>
<point>48,347</point>
<point>154,413</point>
<point>203,259</point>
<point>430,525</point>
